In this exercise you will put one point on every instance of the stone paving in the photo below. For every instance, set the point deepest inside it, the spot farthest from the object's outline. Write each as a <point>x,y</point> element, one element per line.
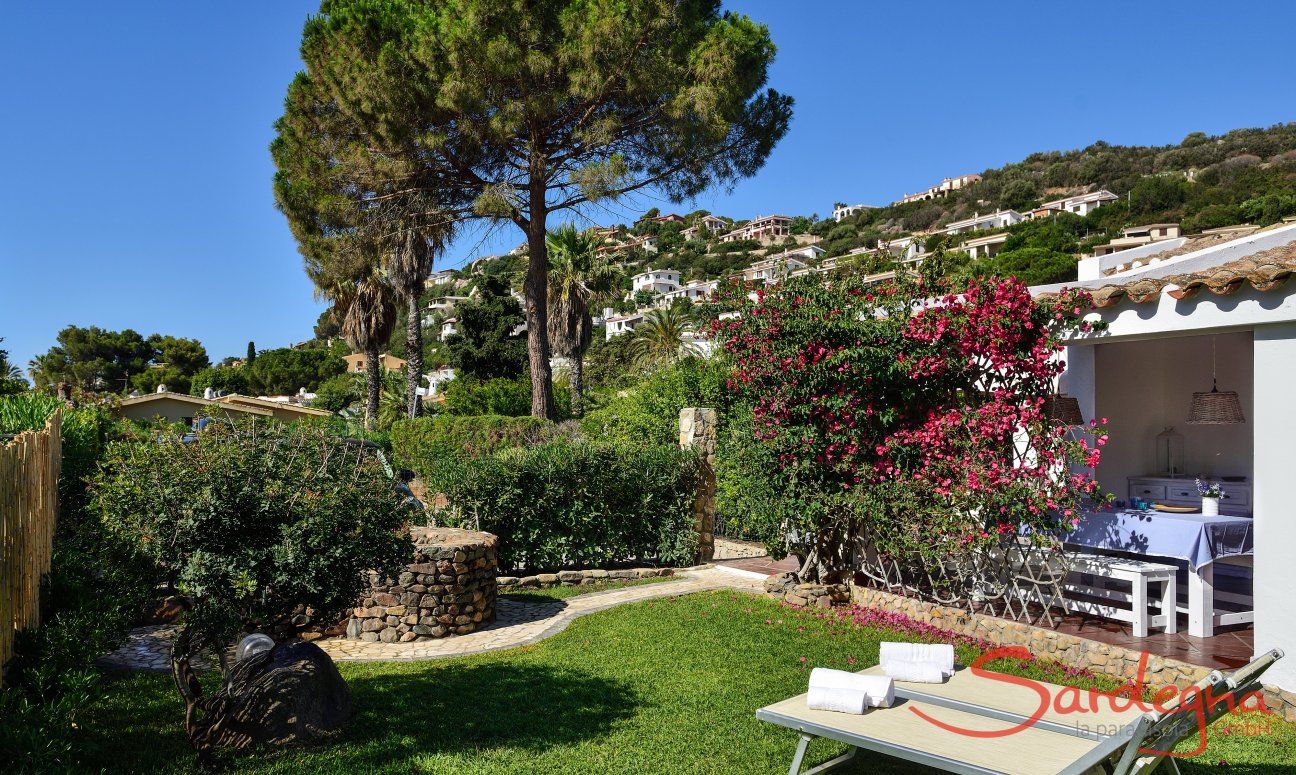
<point>517,623</point>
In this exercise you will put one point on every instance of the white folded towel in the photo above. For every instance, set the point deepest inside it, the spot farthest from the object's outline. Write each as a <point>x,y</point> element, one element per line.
<point>915,672</point>
<point>839,700</point>
<point>879,690</point>
<point>940,654</point>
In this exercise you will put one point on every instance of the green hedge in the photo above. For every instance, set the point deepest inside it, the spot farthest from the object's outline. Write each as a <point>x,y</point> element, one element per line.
<point>573,503</point>
<point>433,447</point>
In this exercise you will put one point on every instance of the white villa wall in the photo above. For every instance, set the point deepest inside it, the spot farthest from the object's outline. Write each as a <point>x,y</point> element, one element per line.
<point>1144,386</point>
<point>1274,425</point>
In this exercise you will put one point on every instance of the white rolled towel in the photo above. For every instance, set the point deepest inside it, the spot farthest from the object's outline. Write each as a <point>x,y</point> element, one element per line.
<point>879,690</point>
<point>838,700</point>
<point>915,672</point>
<point>939,654</point>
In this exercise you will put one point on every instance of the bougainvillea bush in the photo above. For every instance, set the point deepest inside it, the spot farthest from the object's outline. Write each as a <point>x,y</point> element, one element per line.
<point>910,420</point>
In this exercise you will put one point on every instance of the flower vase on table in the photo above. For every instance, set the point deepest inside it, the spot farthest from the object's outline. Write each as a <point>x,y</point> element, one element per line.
<point>1211,493</point>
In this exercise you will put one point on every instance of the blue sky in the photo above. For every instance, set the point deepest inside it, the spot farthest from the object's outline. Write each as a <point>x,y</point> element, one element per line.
<point>136,180</point>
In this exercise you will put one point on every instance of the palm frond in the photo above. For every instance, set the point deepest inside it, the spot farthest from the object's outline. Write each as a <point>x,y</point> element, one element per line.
<point>664,336</point>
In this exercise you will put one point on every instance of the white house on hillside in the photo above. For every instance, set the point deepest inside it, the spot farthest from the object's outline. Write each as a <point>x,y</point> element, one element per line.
<point>705,227</point>
<point>774,269</point>
<point>841,212</point>
<point>436,278</point>
<point>444,303</point>
<point>693,291</point>
<point>655,281</point>
<point>996,220</point>
<point>648,243</point>
<point>985,247</point>
<point>942,188</point>
<point>436,380</point>
<point>1194,370</point>
<point>905,248</point>
<point>764,229</point>
<point>1081,205</point>
<point>616,325</point>
<point>1137,236</point>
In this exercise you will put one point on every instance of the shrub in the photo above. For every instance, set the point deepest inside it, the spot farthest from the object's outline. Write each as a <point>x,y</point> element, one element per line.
<point>466,395</point>
<point>25,412</point>
<point>285,370</point>
<point>222,379</point>
<point>469,396</point>
<point>38,729</point>
<point>587,504</point>
<point>337,393</point>
<point>250,522</point>
<point>608,361</point>
<point>649,412</point>
<point>434,447</point>
<point>1032,266</point>
<point>1212,217</point>
<point>10,386</point>
<point>1269,208</point>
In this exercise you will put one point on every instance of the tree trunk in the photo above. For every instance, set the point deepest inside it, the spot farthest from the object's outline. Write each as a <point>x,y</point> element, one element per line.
<point>373,379</point>
<point>577,384</point>
<point>413,353</point>
<point>536,291</point>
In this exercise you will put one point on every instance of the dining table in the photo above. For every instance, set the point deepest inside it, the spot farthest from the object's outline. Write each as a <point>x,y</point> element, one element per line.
<point>1200,541</point>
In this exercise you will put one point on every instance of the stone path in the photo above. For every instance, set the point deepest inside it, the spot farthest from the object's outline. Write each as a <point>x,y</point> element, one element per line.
<point>517,623</point>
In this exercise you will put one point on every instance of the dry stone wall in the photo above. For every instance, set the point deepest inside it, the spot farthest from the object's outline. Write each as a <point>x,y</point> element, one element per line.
<point>449,589</point>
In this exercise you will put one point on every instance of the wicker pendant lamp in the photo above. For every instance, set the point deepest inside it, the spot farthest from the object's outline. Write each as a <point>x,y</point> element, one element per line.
<point>1217,407</point>
<point>1063,409</point>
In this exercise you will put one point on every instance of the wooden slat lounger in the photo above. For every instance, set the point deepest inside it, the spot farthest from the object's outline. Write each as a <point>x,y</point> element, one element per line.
<point>1105,740</point>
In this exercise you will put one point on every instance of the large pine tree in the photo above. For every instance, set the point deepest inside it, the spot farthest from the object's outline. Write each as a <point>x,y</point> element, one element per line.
<point>514,109</point>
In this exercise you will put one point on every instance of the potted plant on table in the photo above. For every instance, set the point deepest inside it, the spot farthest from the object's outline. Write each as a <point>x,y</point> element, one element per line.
<point>1211,493</point>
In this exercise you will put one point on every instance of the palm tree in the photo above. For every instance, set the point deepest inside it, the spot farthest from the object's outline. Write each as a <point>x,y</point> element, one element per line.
<point>391,401</point>
<point>408,267</point>
<point>370,318</point>
<point>577,279</point>
<point>8,369</point>
<point>663,337</point>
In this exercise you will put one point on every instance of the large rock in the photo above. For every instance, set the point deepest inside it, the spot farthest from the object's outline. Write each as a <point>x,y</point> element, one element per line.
<point>291,693</point>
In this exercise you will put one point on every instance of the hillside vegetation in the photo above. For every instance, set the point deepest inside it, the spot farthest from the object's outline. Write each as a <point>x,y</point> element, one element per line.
<point>1202,182</point>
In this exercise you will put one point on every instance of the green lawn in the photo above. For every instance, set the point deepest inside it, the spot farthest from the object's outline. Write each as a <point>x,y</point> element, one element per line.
<point>663,686</point>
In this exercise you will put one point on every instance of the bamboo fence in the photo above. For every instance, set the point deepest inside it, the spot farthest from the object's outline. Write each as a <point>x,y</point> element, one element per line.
<point>29,474</point>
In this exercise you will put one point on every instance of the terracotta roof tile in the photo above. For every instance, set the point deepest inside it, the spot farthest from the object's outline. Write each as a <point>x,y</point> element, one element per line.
<point>1191,246</point>
<point>1265,271</point>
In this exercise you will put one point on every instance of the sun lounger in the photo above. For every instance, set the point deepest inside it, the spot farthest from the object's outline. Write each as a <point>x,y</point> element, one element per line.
<point>969,705</point>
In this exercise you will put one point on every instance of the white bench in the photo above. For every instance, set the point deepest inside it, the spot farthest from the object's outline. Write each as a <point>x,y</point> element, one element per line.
<point>1139,574</point>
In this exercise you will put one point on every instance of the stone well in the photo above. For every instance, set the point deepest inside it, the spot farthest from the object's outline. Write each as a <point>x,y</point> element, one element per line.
<point>449,589</point>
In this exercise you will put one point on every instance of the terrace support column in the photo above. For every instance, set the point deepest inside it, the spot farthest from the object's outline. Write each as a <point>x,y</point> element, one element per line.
<point>698,432</point>
<point>1274,428</point>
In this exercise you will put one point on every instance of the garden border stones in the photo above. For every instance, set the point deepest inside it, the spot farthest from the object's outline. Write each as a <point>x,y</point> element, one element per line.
<point>449,589</point>
<point>577,578</point>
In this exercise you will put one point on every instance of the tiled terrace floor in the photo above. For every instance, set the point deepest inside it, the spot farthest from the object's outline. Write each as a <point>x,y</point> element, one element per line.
<point>1231,647</point>
<point>762,564</point>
